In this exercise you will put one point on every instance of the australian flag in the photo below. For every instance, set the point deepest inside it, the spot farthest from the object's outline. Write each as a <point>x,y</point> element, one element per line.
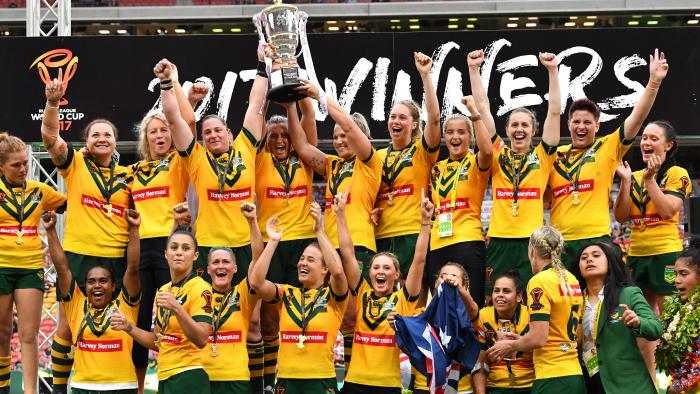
<point>440,342</point>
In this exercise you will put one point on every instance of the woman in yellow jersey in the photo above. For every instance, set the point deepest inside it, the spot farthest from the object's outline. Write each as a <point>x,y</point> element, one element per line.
<point>406,165</point>
<point>652,199</point>
<point>583,171</point>
<point>455,275</point>
<point>95,346</point>
<point>310,316</point>
<point>374,367</point>
<point>515,374</point>
<point>225,358</point>
<point>160,181</point>
<point>519,173</point>
<point>21,257</point>
<point>679,350</point>
<point>615,314</point>
<point>182,322</point>
<point>98,193</point>
<point>283,189</point>
<point>458,185</point>
<point>555,305</point>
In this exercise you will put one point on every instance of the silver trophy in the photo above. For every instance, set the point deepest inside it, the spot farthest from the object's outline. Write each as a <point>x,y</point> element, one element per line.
<point>283,26</point>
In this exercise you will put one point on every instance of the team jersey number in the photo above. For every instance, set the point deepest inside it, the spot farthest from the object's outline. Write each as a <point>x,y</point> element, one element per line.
<point>573,322</point>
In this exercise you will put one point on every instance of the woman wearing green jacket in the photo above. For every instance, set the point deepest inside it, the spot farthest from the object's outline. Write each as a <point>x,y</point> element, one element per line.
<point>615,314</point>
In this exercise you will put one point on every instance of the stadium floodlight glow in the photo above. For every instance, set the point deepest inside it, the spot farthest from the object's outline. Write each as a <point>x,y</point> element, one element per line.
<point>573,18</point>
<point>633,23</point>
<point>589,24</point>
<point>395,20</point>
<point>7,33</point>
<point>180,31</point>
<point>414,27</point>
<point>103,31</point>
<point>452,26</point>
<point>470,26</point>
<point>217,30</point>
<point>570,24</point>
<point>513,18</point>
<point>512,25</point>
<point>235,30</point>
<point>453,20</point>
<point>121,31</point>
<point>591,17</point>
<point>472,19</point>
<point>349,22</point>
<point>531,24</point>
<point>532,18</point>
<point>652,22</point>
<point>333,28</point>
<point>414,20</point>
<point>331,22</point>
<point>692,22</point>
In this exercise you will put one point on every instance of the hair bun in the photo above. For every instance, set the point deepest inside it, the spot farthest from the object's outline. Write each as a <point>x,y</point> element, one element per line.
<point>694,242</point>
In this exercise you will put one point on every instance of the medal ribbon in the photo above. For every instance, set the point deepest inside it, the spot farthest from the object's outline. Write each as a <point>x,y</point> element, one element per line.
<point>165,313</point>
<point>389,173</point>
<point>644,199</point>
<point>334,180</point>
<point>14,200</point>
<point>216,322</point>
<point>220,170</point>
<point>304,316</point>
<point>283,169</point>
<point>517,172</point>
<point>107,185</point>
<point>453,188</point>
<point>574,179</point>
<point>90,320</point>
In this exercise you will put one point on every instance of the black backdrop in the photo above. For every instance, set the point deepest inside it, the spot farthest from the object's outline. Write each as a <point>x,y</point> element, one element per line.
<point>113,73</point>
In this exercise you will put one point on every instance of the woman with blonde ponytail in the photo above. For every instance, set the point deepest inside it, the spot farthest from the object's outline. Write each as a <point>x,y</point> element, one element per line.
<point>556,306</point>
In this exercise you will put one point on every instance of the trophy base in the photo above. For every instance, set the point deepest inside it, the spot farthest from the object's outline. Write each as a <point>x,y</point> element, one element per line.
<point>283,82</point>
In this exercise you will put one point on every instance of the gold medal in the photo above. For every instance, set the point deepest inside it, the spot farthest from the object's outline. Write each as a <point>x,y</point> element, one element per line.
<point>575,195</point>
<point>514,209</point>
<point>300,342</point>
<point>214,353</point>
<point>71,354</point>
<point>642,225</point>
<point>390,196</point>
<point>19,241</point>
<point>159,338</point>
<point>108,210</point>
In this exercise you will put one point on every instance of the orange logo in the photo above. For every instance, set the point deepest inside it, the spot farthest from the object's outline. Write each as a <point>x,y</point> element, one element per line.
<point>57,58</point>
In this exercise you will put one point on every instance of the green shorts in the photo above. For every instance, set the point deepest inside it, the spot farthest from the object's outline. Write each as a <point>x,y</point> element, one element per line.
<point>283,267</point>
<point>12,279</point>
<point>306,386</point>
<point>502,390</point>
<point>403,246</point>
<point>364,258</point>
<point>123,391</point>
<point>187,382</point>
<point>572,248</point>
<point>243,256</point>
<point>654,273</point>
<point>80,264</point>
<point>230,387</point>
<point>503,255</point>
<point>573,384</point>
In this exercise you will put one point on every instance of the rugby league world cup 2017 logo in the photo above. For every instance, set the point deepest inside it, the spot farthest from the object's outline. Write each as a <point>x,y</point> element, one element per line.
<point>56,58</point>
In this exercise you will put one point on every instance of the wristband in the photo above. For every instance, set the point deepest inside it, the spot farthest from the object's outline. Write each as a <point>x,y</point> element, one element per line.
<point>166,86</point>
<point>51,104</point>
<point>653,85</point>
<point>262,69</point>
<point>426,224</point>
<point>166,81</point>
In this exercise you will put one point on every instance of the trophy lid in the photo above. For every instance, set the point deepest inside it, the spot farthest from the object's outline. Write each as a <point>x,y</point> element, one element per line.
<point>279,7</point>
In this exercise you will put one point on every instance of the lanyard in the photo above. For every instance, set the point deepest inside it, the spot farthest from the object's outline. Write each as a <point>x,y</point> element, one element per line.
<point>517,172</point>
<point>574,179</point>
<point>305,318</point>
<point>389,173</point>
<point>105,185</point>
<point>165,313</point>
<point>335,179</point>
<point>644,199</point>
<point>15,201</point>
<point>91,320</point>
<point>283,169</point>
<point>222,170</point>
<point>453,187</point>
<point>594,333</point>
<point>216,323</point>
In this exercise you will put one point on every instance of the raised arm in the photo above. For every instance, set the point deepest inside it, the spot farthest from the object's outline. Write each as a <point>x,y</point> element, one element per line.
<point>196,332</point>
<point>186,109</point>
<point>133,254</point>
<point>309,154</point>
<point>550,130</point>
<point>347,249</point>
<point>338,281</point>
<point>254,119</point>
<point>658,68</point>
<point>621,208</point>
<point>431,131</point>
<point>179,129</point>
<point>357,140</point>
<point>415,273</point>
<point>308,120</point>
<point>483,140</point>
<point>50,126</point>
<point>58,257</point>
<point>257,272</point>
<point>474,61</point>
<point>249,211</point>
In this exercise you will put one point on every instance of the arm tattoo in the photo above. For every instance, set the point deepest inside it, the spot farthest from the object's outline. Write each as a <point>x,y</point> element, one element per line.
<point>318,164</point>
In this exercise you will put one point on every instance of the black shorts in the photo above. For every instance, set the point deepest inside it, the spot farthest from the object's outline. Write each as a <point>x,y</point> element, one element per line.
<point>354,388</point>
<point>471,255</point>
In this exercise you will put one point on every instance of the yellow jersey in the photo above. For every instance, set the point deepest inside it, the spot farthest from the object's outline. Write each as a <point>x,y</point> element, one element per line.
<point>25,204</point>
<point>656,236</point>
<point>405,173</point>
<point>90,229</point>
<point>157,186</point>
<point>309,356</point>
<point>363,177</point>
<point>283,189</point>
<point>176,353</point>
<point>231,319</point>
<point>488,325</point>
<point>562,307</point>
<point>375,356</point>
<point>98,345</point>
<point>421,382</point>
<point>458,189</point>
<point>529,174</point>
<point>222,182</point>
<point>581,184</point>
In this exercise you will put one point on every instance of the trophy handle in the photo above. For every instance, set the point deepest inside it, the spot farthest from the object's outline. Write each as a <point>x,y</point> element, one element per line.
<point>301,21</point>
